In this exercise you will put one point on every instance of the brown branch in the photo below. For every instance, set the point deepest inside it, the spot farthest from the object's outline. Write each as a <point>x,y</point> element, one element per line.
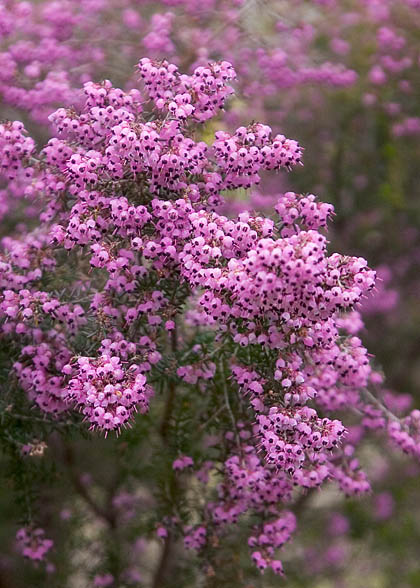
<point>162,569</point>
<point>169,406</point>
<point>164,426</point>
<point>228,406</point>
<point>372,398</point>
<point>106,515</point>
<point>301,502</point>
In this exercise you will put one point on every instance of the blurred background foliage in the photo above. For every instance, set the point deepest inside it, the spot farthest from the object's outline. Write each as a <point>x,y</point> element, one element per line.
<point>354,159</point>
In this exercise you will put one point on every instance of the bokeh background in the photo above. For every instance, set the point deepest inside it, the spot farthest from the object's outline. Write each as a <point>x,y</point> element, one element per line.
<point>343,78</point>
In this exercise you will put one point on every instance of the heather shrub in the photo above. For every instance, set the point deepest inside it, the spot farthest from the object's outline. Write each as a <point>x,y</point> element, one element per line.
<point>187,391</point>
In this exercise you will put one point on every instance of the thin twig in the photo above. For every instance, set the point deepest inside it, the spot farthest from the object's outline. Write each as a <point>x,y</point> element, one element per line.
<point>213,416</point>
<point>228,406</point>
<point>107,515</point>
<point>161,570</point>
<point>390,415</point>
<point>167,414</point>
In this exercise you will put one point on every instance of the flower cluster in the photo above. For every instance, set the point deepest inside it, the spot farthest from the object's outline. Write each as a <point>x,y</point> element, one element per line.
<point>26,309</point>
<point>195,538</point>
<point>200,95</point>
<point>40,372</point>
<point>306,210</point>
<point>182,462</point>
<point>15,147</point>
<point>241,156</point>
<point>32,543</point>
<point>107,391</point>
<point>406,434</point>
<point>273,536</point>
